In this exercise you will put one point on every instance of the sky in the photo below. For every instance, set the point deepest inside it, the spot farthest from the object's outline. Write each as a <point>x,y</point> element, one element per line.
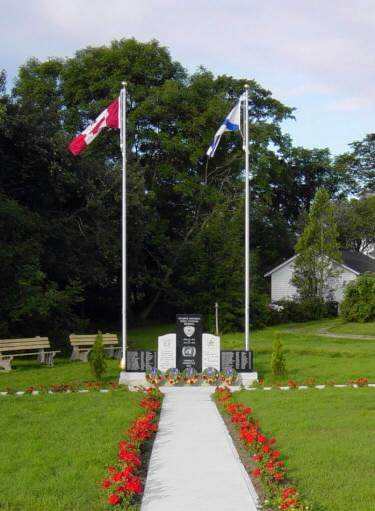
<point>315,55</point>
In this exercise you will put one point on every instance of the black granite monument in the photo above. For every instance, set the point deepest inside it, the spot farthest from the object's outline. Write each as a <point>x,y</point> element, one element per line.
<point>189,341</point>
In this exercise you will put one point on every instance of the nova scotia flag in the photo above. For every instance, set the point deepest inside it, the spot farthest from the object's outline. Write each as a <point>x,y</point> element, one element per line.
<point>231,123</point>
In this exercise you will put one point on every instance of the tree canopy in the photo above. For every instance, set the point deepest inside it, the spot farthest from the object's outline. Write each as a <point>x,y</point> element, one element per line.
<point>61,214</point>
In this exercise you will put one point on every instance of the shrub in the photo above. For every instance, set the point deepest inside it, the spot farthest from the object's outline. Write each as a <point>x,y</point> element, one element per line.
<point>304,310</point>
<point>97,359</point>
<point>278,364</point>
<point>359,299</point>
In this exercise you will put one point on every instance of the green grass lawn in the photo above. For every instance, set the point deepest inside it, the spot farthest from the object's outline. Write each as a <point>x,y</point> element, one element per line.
<point>308,356</point>
<point>54,449</point>
<point>328,437</point>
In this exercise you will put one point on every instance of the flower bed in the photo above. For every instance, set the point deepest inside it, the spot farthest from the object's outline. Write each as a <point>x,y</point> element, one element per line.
<point>123,482</point>
<point>57,388</point>
<point>270,468</point>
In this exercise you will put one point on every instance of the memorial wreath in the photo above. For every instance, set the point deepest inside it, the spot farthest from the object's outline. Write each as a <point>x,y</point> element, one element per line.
<point>190,376</point>
<point>210,376</point>
<point>173,376</point>
<point>154,376</point>
<point>229,376</point>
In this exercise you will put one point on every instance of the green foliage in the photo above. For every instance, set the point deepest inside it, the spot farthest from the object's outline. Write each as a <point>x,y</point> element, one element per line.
<point>356,223</point>
<point>359,299</point>
<point>185,215</point>
<point>97,360</point>
<point>308,309</point>
<point>318,250</point>
<point>278,363</point>
<point>360,163</point>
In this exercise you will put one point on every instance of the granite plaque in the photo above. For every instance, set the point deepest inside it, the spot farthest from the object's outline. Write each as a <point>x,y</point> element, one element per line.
<point>140,360</point>
<point>210,351</point>
<point>241,361</point>
<point>189,341</point>
<point>166,352</point>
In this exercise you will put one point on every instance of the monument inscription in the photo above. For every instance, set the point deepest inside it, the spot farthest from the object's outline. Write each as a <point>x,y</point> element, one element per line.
<point>189,341</point>
<point>140,360</point>
<point>240,360</point>
<point>166,352</point>
<point>210,351</point>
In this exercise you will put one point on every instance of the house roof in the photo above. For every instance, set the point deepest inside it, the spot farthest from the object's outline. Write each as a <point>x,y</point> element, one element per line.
<point>357,261</point>
<point>353,261</point>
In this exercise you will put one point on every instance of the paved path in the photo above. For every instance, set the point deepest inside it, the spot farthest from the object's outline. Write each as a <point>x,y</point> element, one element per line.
<point>324,332</point>
<point>194,464</point>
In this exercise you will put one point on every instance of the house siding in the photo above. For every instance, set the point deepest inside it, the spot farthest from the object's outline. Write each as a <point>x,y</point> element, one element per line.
<point>283,289</point>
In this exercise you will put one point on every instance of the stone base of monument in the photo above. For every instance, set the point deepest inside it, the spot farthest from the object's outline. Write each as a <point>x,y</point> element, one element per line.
<point>133,380</point>
<point>247,379</point>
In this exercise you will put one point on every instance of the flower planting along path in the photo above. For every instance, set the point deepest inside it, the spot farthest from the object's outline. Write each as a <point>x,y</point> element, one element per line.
<point>194,464</point>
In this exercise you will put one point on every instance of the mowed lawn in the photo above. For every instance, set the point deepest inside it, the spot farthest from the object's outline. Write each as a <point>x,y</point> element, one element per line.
<point>54,448</point>
<point>308,355</point>
<point>328,437</point>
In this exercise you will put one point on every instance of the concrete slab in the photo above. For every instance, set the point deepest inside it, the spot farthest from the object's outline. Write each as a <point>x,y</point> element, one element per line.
<point>194,464</point>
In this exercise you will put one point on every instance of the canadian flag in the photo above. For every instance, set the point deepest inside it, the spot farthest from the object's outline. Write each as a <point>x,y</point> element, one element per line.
<point>109,118</point>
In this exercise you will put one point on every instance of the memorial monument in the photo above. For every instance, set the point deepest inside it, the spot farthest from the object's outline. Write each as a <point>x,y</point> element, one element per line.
<point>188,347</point>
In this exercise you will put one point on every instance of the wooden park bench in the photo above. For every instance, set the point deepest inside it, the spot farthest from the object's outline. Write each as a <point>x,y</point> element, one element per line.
<point>40,346</point>
<point>82,345</point>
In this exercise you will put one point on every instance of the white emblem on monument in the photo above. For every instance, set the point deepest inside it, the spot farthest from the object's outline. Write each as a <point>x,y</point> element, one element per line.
<point>189,330</point>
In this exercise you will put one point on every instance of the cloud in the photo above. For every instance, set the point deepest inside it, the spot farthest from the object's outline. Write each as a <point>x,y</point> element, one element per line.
<point>319,52</point>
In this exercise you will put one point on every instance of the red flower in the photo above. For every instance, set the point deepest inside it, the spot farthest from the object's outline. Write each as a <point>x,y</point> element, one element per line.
<point>266,448</point>
<point>275,454</point>
<point>257,457</point>
<point>279,476</point>
<point>288,492</point>
<point>257,472</point>
<point>111,469</point>
<point>134,485</point>
<point>114,500</point>
<point>106,484</point>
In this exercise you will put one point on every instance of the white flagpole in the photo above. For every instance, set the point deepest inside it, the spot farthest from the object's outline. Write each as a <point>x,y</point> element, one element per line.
<point>247,220</point>
<point>123,150</point>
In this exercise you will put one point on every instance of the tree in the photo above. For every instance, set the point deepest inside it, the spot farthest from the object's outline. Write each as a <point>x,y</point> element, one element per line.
<point>278,364</point>
<point>360,163</point>
<point>97,359</point>
<point>178,203</point>
<point>317,252</point>
<point>355,220</point>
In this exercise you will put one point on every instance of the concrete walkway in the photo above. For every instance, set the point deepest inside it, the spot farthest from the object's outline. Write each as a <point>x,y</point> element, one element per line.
<point>194,464</point>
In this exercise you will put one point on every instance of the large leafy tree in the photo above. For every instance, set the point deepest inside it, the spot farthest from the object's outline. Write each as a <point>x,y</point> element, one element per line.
<point>355,220</point>
<point>177,201</point>
<point>359,163</point>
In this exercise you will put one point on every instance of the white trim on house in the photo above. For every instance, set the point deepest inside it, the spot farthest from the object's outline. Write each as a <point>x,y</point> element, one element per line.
<point>280,266</point>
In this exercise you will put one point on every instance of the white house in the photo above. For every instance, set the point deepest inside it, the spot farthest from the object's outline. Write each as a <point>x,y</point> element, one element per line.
<point>353,265</point>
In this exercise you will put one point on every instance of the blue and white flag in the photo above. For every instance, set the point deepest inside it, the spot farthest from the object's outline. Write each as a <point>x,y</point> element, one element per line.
<point>231,123</point>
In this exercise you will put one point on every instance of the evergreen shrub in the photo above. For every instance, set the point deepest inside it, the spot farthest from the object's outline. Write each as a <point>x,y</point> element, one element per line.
<point>98,363</point>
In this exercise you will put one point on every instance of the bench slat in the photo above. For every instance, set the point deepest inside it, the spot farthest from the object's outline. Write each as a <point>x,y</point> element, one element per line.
<point>27,339</point>
<point>18,347</point>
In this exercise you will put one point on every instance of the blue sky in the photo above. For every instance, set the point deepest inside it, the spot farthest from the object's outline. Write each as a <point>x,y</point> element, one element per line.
<point>315,55</point>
